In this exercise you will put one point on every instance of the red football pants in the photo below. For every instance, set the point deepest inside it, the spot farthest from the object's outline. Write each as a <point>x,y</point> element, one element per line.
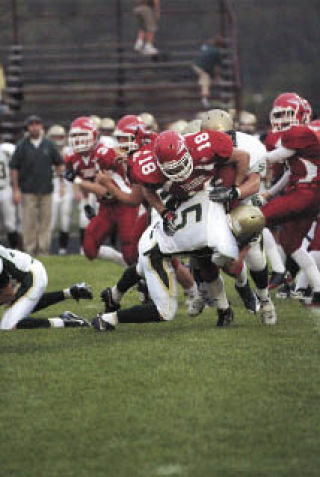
<point>124,217</point>
<point>295,211</point>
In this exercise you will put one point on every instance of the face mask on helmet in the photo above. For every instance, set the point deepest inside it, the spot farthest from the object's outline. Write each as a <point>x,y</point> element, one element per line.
<point>81,140</point>
<point>283,118</point>
<point>178,171</point>
<point>127,142</point>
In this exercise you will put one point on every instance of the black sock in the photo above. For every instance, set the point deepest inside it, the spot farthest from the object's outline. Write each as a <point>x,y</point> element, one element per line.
<point>292,266</point>
<point>260,278</point>
<point>63,239</point>
<point>48,299</point>
<point>128,280</point>
<point>13,239</point>
<point>139,314</point>
<point>32,323</point>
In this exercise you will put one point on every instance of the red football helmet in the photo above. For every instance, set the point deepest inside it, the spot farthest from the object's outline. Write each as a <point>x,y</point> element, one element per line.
<point>83,135</point>
<point>289,109</point>
<point>173,157</point>
<point>131,133</point>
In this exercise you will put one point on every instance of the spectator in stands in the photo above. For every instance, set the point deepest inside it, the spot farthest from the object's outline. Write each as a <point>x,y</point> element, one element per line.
<point>32,182</point>
<point>147,13</point>
<point>207,65</point>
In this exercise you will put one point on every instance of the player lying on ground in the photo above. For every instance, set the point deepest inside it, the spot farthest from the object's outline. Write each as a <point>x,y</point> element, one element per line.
<point>30,296</point>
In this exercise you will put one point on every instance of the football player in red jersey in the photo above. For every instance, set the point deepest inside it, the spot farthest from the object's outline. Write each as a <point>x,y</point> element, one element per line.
<point>82,166</point>
<point>136,143</point>
<point>297,143</point>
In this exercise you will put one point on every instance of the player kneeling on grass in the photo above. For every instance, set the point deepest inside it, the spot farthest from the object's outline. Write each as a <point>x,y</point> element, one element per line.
<point>30,296</point>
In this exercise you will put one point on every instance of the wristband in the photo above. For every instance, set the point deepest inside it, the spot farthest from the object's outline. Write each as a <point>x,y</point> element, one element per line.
<point>78,180</point>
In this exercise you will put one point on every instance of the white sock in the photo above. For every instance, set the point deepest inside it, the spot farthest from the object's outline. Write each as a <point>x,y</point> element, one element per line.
<point>272,252</point>
<point>112,255</point>
<point>111,318</point>
<point>56,322</point>
<point>302,281</point>
<point>242,279</point>
<point>217,292</point>
<point>193,291</point>
<point>315,254</point>
<point>116,294</point>
<point>262,293</point>
<point>308,265</point>
<point>67,293</point>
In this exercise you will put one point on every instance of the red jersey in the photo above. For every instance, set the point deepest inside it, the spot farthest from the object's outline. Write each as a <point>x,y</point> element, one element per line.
<point>206,148</point>
<point>100,158</point>
<point>304,165</point>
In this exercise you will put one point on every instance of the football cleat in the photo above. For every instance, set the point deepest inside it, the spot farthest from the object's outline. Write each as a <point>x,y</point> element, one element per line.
<point>196,306</point>
<point>302,294</point>
<point>248,298</point>
<point>81,291</point>
<point>100,324</point>
<point>109,303</point>
<point>73,321</point>
<point>276,280</point>
<point>284,292</point>
<point>268,313</point>
<point>225,317</point>
<point>315,302</point>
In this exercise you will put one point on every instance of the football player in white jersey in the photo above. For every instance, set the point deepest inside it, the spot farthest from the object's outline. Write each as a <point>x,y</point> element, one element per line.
<point>9,212</point>
<point>62,192</point>
<point>220,120</point>
<point>29,296</point>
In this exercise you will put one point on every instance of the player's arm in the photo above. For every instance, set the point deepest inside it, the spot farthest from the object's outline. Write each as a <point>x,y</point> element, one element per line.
<point>133,198</point>
<point>241,160</point>
<point>250,186</point>
<point>280,154</point>
<point>88,186</point>
<point>168,216</point>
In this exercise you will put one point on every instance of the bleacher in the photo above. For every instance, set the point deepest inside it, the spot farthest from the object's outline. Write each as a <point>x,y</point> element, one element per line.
<point>60,81</point>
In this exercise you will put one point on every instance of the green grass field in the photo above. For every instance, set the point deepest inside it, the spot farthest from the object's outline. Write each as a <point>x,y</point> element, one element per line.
<point>169,399</point>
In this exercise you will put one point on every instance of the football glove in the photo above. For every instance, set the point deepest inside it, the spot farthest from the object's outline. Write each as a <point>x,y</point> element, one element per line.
<point>70,175</point>
<point>224,194</point>
<point>169,219</point>
<point>89,211</point>
<point>257,200</point>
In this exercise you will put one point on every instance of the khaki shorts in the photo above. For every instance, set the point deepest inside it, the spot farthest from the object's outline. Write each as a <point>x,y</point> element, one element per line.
<point>204,80</point>
<point>146,18</point>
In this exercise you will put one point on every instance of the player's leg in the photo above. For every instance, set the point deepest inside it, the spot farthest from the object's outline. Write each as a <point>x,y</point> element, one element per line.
<point>257,264</point>
<point>209,273</point>
<point>126,218</point>
<point>296,203</point>
<point>65,219</point>
<point>292,236</point>
<point>196,303</point>
<point>8,210</point>
<point>273,254</point>
<point>161,281</point>
<point>97,231</point>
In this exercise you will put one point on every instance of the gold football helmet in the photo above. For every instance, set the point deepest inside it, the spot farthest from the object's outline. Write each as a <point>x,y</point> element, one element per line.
<point>247,222</point>
<point>193,127</point>
<point>107,126</point>
<point>178,126</point>
<point>217,120</point>
<point>150,121</point>
<point>58,135</point>
<point>96,120</point>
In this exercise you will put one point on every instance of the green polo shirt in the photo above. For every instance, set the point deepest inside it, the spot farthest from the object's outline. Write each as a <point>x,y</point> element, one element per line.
<point>208,57</point>
<point>35,165</point>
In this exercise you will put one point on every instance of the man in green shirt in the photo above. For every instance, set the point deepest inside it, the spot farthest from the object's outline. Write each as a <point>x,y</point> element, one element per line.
<point>32,183</point>
<point>207,65</point>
